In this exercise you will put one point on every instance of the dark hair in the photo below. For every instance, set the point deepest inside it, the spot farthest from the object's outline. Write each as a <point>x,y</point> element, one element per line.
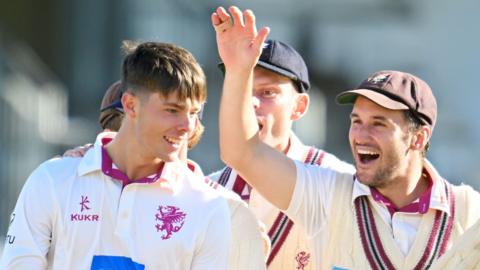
<point>414,124</point>
<point>164,68</point>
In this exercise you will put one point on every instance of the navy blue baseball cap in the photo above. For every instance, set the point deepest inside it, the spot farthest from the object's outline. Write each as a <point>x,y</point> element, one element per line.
<point>281,58</point>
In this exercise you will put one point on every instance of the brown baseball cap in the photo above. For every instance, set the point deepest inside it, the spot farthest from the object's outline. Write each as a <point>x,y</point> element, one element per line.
<point>111,105</point>
<point>396,90</point>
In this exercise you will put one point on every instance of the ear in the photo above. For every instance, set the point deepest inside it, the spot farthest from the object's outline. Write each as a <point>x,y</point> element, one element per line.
<point>421,138</point>
<point>301,107</point>
<point>130,104</point>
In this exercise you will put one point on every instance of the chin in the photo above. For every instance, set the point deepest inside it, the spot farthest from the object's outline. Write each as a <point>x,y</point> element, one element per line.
<point>364,178</point>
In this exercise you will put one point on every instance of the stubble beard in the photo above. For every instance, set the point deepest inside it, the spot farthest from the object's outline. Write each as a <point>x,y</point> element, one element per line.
<point>384,175</point>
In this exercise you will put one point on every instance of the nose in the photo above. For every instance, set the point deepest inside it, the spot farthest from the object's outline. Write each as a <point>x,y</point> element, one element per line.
<point>359,133</point>
<point>187,123</point>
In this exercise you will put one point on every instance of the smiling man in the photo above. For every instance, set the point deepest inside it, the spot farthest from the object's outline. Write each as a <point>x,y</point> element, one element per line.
<point>396,213</point>
<point>129,203</point>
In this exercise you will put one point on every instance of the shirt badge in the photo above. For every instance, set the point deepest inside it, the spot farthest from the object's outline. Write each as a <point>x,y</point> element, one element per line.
<point>169,220</point>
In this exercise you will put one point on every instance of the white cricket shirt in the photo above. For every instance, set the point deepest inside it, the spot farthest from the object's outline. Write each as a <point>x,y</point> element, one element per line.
<point>70,215</point>
<point>312,203</point>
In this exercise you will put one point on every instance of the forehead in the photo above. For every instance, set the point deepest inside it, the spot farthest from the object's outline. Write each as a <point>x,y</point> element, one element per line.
<point>265,76</point>
<point>173,99</point>
<point>364,107</point>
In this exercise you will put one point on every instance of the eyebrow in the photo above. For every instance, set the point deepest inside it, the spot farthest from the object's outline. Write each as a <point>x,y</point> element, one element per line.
<point>377,117</point>
<point>182,106</point>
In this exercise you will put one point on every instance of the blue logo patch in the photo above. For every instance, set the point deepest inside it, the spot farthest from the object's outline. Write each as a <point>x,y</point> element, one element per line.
<point>115,263</point>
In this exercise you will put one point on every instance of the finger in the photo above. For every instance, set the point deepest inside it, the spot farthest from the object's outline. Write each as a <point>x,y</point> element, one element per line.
<point>215,19</point>
<point>261,37</point>
<point>250,21</point>
<point>237,16</point>
<point>223,14</point>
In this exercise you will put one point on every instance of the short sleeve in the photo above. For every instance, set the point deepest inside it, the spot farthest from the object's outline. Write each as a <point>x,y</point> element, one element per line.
<point>312,196</point>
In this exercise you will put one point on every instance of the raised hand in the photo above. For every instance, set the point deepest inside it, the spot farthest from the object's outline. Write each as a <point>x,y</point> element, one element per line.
<point>239,43</point>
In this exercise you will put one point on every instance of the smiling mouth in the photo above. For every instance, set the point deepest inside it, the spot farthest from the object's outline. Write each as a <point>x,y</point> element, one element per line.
<point>367,156</point>
<point>172,140</point>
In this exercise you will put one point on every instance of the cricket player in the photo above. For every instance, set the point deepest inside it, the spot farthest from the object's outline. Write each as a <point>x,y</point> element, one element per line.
<point>395,212</point>
<point>128,203</point>
<point>249,246</point>
<point>279,98</point>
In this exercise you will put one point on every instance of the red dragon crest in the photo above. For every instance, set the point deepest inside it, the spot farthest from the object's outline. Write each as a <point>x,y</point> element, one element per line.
<point>170,220</point>
<point>302,259</point>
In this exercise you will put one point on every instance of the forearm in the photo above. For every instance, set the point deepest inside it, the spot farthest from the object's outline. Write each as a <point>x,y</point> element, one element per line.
<point>238,125</point>
<point>265,169</point>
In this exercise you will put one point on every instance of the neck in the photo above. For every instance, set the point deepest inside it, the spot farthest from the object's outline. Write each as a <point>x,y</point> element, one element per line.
<point>127,155</point>
<point>405,189</point>
<point>284,146</point>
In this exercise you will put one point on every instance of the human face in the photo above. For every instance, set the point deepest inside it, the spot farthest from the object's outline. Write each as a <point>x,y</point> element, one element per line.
<point>379,139</point>
<point>274,100</point>
<point>164,124</point>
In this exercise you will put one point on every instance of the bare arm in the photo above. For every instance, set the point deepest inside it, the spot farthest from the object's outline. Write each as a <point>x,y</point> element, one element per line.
<point>267,170</point>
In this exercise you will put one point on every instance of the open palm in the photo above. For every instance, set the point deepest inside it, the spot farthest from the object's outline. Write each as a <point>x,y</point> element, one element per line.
<point>239,43</point>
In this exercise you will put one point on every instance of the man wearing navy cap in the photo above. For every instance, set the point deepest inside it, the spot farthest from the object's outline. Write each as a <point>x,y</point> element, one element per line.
<point>280,85</point>
<point>395,212</point>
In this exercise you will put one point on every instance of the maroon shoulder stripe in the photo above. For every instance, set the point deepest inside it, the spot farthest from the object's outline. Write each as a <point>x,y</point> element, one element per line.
<point>278,234</point>
<point>239,185</point>
<point>223,180</point>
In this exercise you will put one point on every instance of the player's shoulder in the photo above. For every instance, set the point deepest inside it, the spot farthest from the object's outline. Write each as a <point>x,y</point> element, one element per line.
<point>467,192</point>
<point>58,166</point>
<point>331,161</point>
<point>47,174</point>
<point>200,184</point>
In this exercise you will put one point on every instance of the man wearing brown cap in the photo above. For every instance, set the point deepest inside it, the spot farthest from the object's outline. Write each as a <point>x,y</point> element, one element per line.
<point>396,212</point>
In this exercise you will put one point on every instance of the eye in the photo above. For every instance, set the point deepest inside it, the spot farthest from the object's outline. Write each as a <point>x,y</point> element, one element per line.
<point>378,124</point>
<point>171,110</point>
<point>194,113</point>
<point>355,121</point>
<point>268,93</point>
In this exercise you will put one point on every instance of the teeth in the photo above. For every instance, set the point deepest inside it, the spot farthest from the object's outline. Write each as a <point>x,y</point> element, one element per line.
<point>172,140</point>
<point>366,152</point>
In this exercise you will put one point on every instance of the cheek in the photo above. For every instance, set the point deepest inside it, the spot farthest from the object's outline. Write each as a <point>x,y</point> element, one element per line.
<point>352,133</point>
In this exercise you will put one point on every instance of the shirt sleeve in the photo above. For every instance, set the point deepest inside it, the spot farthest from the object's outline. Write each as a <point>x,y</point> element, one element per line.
<point>29,234</point>
<point>249,246</point>
<point>311,197</point>
<point>214,250</point>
